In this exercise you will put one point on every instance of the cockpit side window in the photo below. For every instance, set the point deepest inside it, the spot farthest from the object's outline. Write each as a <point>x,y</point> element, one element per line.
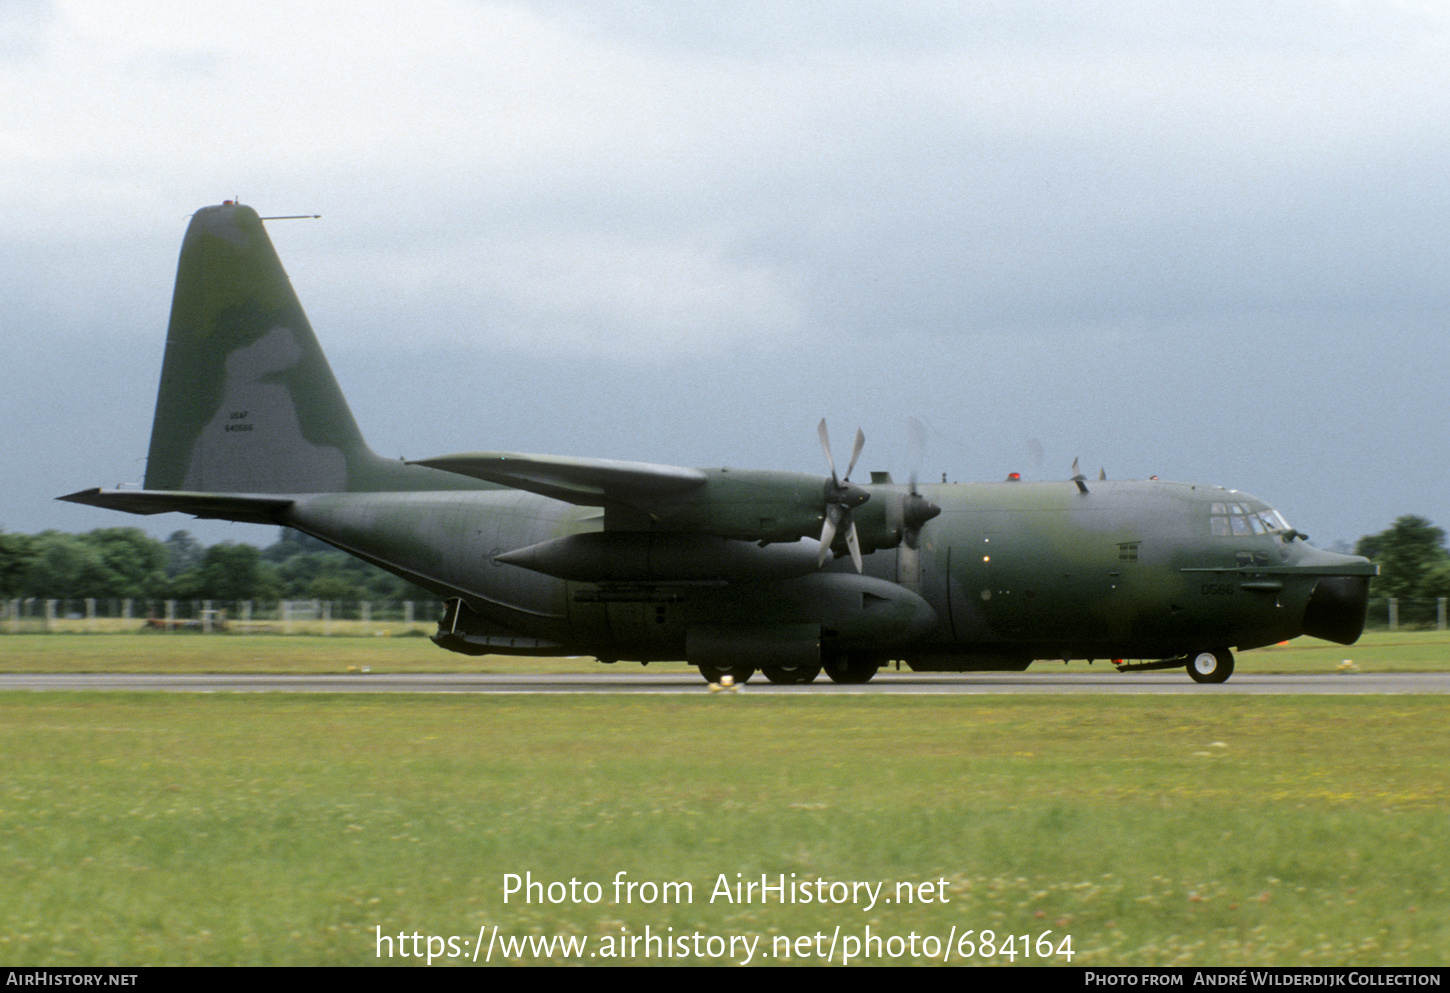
<point>1274,520</point>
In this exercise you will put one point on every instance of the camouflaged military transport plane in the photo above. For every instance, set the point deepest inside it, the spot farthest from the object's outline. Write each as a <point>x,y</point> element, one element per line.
<point>726,569</point>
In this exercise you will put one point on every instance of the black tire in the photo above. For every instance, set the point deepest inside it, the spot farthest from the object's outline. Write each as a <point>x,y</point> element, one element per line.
<point>1211,665</point>
<point>740,673</point>
<point>790,675</point>
<point>851,670</point>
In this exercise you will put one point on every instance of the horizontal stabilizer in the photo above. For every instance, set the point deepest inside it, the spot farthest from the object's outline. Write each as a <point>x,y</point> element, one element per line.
<point>588,482</point>
<point>247,509</point>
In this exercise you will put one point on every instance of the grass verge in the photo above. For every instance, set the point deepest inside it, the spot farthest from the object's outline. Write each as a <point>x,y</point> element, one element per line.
<point>282,829</point>
<point>1383,651</point>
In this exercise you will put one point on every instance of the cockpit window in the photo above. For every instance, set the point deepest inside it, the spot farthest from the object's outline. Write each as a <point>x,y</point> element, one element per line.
<point>1243,520</point>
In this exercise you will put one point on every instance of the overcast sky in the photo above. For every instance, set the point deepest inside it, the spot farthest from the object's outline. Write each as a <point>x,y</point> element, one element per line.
<point>1200,240</point>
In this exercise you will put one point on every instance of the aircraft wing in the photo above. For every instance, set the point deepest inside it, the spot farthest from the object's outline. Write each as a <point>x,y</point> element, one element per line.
<point>588,482</point>
<point>247,508</point>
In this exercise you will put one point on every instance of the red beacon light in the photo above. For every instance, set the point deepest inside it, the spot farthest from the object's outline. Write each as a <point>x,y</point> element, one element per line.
<point>1014,477</point>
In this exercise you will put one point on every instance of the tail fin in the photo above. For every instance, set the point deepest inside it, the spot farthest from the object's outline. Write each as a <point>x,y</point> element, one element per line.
<point>248,403</point>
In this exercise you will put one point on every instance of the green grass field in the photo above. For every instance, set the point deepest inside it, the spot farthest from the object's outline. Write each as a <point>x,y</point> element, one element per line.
<point>289,829</point>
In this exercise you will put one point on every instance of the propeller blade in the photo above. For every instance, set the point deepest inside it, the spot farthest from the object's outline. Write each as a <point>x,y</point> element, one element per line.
<point>828,534</point>
<point>856,451</point>
<point>854,544</point>
<point>917,429</point>
<point>826,446</point>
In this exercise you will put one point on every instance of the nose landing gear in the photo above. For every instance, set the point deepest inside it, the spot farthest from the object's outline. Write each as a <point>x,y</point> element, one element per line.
<point>1211,665</point>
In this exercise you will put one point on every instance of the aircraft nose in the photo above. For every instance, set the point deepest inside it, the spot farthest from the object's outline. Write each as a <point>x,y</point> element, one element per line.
<point>1336,608</point>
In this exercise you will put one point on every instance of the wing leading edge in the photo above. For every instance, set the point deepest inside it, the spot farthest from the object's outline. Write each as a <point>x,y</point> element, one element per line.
<point>747,505</point>
<point>587,482</point>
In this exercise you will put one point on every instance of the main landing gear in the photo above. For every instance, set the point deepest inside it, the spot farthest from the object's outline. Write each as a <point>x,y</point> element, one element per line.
<point>841,669</point>
<point>739,673</point>
<point>851,669</point>
<point>785,675</point>
<point>788,675</point>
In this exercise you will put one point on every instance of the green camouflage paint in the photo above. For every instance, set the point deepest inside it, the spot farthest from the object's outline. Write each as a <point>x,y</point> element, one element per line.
<point>542,554</point>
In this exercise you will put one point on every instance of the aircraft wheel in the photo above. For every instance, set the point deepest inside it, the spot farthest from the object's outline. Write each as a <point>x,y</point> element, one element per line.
<point>790,674</point>
<point>1211,666</point>
<point>851,670</point>
<point>739,673</point>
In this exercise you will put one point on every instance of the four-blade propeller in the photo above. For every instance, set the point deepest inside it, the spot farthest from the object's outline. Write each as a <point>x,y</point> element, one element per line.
<point>916,509</point>
<point>842,496</point>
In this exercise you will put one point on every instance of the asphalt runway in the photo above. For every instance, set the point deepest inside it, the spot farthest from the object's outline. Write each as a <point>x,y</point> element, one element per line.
<point>676,682</point>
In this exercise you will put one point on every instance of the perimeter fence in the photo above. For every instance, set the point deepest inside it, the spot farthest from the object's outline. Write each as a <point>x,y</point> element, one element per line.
<point>395,617</point>
<point>370,618</point>
<point>1393,613</point>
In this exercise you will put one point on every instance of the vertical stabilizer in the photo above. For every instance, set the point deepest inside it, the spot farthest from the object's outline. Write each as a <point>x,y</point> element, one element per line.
<point>248,403</point>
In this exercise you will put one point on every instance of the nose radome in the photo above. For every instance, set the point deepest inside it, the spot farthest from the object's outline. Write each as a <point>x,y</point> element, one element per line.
<point>1337,608</point>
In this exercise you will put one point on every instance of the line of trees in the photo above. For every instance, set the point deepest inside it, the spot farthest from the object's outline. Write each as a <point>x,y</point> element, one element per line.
<point>1413,561</point>
<point>126,562</point>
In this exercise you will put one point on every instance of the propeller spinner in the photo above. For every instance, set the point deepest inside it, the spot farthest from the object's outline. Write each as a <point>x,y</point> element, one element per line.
<point>842,496</point>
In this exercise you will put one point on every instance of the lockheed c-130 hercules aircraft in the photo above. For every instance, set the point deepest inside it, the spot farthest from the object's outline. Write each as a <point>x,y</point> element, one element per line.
<point>730,570</point>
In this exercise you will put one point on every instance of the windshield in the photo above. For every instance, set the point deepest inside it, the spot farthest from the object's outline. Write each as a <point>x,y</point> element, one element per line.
<point>1242,519</point>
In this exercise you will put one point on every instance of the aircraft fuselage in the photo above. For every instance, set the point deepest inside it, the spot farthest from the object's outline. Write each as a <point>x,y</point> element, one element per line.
<point>1009,572</point>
